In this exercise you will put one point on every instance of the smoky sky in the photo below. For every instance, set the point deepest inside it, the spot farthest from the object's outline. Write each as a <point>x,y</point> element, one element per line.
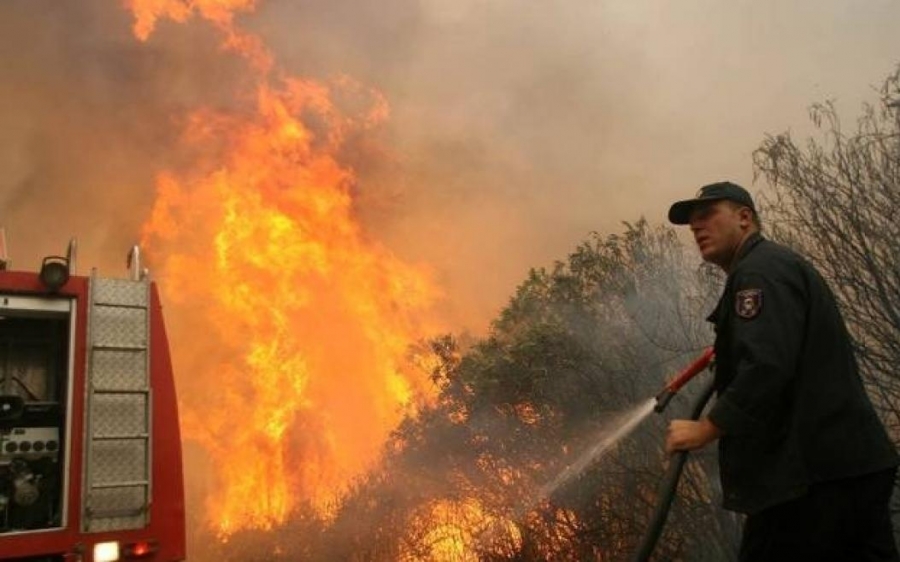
<point>516,128</point>
<point>523,125</point>
<point>88,118</point>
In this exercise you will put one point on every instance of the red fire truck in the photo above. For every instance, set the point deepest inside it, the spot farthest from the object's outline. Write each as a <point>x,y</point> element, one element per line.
<point>90,452</point>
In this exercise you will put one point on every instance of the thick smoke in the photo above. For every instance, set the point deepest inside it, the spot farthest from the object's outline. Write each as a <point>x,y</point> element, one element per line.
<point>516,128</point>
<point>88,117</point>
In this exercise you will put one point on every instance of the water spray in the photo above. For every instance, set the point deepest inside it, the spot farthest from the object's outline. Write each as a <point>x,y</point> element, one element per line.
<point>627,422</point>
<point>619,428</point>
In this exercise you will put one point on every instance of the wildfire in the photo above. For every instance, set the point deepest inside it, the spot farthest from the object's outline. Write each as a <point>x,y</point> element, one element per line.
<point>460,531</point>
<point>289,326</point>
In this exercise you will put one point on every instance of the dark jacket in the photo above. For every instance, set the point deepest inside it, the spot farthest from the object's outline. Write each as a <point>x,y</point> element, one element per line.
<point>791,405</point>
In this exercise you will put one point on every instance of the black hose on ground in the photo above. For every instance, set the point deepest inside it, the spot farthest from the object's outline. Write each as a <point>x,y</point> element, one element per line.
<point>668,487</point>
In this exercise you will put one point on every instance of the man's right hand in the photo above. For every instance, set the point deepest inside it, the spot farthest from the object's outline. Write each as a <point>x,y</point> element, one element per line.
<point>689,435</point>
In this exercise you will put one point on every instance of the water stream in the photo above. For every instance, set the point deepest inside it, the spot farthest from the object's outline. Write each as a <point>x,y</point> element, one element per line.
<point>611,433</point>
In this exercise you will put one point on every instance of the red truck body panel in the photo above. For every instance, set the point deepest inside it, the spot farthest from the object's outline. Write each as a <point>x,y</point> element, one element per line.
<point>166,516</point>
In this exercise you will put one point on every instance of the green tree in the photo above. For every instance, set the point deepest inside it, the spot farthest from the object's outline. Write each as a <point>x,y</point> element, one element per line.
<point>578,344</point>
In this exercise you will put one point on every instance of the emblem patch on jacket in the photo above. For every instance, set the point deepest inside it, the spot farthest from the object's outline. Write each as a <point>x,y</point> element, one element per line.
<point>748,303</point>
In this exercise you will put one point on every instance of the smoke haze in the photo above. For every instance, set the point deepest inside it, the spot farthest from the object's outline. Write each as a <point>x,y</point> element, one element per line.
<point>516,127</point>
<point>521,126</point>
<point>88,118</point>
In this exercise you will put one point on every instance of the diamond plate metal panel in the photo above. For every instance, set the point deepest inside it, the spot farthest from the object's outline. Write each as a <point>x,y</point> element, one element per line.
<point>115,509</point>
<point>115,326</point>
<point>119,415</point>
<point>120,292</point>
<point>119,369</point>
<point>116,523</point>
<point>118,461</point>
<point>118,474</point>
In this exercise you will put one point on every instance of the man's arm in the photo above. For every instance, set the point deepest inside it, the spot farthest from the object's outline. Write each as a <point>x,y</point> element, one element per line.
<point>766,332</point>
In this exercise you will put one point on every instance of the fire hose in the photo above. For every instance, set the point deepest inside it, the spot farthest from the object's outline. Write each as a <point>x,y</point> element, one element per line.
<point>669,483</point>
<point>663,398</point>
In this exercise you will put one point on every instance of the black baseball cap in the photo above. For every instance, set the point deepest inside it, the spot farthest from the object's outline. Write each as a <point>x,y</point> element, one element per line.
<point>680,211</point>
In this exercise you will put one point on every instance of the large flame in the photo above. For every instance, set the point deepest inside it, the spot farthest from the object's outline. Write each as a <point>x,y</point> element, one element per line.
<point>289,325</point>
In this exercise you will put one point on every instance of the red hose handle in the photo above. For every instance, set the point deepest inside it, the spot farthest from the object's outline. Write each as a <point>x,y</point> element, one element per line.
<point>691,370</point>
<point>662,399</point>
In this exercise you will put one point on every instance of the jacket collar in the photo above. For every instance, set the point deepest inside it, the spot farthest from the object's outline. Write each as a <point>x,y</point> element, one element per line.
<point>749,244</point>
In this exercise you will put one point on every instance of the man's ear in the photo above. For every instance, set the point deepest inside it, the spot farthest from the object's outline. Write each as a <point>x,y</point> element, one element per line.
<point>746,216</point>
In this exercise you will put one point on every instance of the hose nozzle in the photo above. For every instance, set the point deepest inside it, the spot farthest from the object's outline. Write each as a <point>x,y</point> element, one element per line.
<point>665,396</point>
<point>662,399</point>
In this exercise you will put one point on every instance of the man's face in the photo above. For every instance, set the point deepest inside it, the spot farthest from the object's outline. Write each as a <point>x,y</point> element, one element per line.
<point>719,228</point>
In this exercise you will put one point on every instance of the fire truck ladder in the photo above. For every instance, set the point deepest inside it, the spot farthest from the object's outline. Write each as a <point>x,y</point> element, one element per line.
<point>117,456</point>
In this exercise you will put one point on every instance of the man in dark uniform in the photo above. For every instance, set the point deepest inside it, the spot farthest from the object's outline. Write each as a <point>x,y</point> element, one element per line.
<point>801,449</point>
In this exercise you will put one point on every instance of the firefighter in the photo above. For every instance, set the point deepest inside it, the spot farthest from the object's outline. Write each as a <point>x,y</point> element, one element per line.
<point>801,450</point>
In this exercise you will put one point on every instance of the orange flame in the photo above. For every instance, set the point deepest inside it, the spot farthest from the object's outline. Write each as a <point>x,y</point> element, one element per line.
<point>289,326</point>
<point>460,531</point>
<point>220,13</point>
